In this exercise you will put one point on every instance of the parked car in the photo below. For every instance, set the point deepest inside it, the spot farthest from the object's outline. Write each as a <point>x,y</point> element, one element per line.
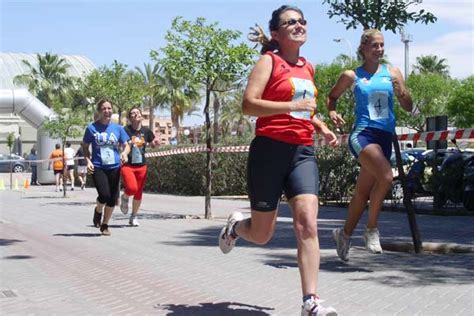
<point>15,162</point>
<point>407,160</point>
<point>415,152</point>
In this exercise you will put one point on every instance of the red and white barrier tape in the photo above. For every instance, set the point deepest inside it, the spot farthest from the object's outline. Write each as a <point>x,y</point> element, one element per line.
<point>467,133</point>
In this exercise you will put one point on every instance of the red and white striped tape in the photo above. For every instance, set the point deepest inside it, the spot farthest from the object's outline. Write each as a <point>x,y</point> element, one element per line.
<point>467,133</point>
<point>198,149</point>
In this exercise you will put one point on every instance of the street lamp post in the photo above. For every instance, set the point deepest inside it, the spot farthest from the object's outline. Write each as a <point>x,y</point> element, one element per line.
<point>338,40</point>
<point>406,38</point>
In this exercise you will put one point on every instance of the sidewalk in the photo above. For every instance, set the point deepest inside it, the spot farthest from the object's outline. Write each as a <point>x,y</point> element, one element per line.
<point>55,262</point>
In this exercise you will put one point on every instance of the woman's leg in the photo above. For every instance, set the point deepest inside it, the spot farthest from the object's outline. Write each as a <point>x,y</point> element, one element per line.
<point>374,161</point>
<point>113,180</point>
<point>140,176</point>
<point>305,213</point>
<point>258,228</point>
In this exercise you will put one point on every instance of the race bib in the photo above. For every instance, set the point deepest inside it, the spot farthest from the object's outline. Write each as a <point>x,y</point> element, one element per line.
<point>137,156</point>
<point>304,89</point>
<point>378,105</point>
<point>107,155</point>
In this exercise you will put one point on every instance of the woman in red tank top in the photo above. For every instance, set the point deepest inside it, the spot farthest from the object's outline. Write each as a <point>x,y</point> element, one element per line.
<point>281,93</point>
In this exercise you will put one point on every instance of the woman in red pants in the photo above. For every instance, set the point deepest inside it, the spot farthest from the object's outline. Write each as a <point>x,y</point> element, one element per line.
<point>134,171</point>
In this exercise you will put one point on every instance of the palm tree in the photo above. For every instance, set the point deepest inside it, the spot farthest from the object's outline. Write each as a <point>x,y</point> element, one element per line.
<point>431,64</point>
<point>150,75</point>
<point>222,94</point>
<point>47,79</point>
<point>232,115</point>
<point>177,95</point>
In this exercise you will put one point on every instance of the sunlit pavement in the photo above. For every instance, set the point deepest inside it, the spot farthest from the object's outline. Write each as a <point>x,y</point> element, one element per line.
<point>53,261</point>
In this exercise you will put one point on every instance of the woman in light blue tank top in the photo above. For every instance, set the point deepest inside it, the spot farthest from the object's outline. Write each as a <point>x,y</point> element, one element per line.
<point>370,141</point>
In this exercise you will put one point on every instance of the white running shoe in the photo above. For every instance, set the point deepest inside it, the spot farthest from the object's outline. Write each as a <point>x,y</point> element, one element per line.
<point>124,204</point>
<point>313,307</point>
<point>226,242</point>
<point>133,221</point>
<point>342,244</point>
<point>372,240</point>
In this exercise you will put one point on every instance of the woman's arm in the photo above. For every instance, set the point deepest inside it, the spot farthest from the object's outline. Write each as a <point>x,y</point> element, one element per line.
<point>344,82</point>
<point>253,104</point>
<point>400,89</point>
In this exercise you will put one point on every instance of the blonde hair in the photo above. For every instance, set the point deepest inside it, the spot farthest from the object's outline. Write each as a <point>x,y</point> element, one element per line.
<point>366,35</point>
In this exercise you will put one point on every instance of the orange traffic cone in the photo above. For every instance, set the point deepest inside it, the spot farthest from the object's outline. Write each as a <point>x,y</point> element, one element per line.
<point>26,184</point>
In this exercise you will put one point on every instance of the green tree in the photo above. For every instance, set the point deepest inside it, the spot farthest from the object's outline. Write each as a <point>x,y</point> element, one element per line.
<point>378,14</point>
<point>47,79</point>
<point>431,64</point>
<point>232,117</point>
<point>177,94</point>
<point>124,87</point>
<point>10,142</point>
<point>325,77</point>
<point>430,93</point>
<point>221,95</point>
<point>461,104</point>
<point>203,53</point>
<point>65,124</point>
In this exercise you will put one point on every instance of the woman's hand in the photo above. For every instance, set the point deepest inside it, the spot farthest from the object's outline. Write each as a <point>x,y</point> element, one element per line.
<point>124,157</point>
<point>336,118</point>
<point>329,136</point>
<point>304,105</point>
<point>90,167</point>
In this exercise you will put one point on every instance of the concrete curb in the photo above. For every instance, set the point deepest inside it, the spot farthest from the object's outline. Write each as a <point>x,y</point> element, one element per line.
<point>443,248</point>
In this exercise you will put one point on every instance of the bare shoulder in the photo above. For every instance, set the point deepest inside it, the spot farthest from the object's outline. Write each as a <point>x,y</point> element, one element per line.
<point>347,78</point>
<point>394,71</point>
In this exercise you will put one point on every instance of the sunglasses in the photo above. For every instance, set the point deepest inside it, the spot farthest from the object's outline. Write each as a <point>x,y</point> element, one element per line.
<point>291,22</point>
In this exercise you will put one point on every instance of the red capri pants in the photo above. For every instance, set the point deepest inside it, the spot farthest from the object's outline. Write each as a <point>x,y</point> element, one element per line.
<point>134,180</point>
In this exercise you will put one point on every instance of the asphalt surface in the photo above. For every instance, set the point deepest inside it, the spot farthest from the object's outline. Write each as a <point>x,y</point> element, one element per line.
<point>54,262</point>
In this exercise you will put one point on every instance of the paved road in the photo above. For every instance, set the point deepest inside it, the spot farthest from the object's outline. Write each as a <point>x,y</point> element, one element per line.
<point>54,262</point>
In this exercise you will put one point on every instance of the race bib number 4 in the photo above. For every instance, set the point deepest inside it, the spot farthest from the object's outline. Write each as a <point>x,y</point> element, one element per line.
<point>378,105</point>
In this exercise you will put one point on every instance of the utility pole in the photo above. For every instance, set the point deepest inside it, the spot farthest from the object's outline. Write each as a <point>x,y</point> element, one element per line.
<point>406,38</point>
<point>338,40</point>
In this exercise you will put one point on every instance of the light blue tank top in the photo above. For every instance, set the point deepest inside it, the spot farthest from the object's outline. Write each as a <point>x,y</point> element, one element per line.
<point>374,99</point>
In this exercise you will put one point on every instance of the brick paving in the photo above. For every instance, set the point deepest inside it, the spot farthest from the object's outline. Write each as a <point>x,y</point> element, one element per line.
<point>53,261</point>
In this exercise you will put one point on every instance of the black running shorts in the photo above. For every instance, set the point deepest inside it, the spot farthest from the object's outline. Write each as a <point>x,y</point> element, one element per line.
<point>275,167</point>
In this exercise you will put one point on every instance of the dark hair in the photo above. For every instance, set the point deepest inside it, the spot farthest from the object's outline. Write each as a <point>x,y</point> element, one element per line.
<point>135,107</point>
<point>102,101</point>
<point>68,144</point>
<point>274,23</point>
<point>58,146</point>
<point>258,35</point>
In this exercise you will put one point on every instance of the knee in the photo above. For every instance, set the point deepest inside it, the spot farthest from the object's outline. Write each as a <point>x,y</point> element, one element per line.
<point>386,178</point>
<point>306,228</point>
<point>262,236</point>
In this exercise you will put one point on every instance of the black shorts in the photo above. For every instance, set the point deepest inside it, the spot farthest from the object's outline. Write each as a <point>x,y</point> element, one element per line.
<point>70,167</point>
<point>275,167</point>
<point>58,171</point>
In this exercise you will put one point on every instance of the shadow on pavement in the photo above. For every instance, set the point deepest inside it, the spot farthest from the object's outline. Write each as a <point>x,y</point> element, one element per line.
<point>216,309</point>
<point>67,203</point>
<point>18,257</point>
<point>79,235</point>
<point>8,242</point>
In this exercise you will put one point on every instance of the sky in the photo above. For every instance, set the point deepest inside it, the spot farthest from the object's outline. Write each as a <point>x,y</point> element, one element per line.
<point>127,30</point>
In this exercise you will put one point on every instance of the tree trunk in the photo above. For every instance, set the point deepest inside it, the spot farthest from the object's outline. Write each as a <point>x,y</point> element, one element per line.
<point>208,212</point>
<point>216,106</point>
<point>151,108</point>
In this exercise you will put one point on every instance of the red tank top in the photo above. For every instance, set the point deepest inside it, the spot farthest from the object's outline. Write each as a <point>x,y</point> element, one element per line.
<point>288,82</point>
